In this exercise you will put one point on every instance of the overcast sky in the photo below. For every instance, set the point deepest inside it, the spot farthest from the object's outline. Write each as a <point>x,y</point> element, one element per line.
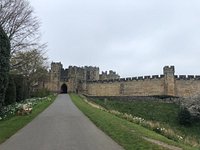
<point>132,37</point>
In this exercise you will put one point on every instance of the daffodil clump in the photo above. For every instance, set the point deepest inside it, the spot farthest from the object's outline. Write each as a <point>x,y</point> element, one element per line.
<point>11,110</point>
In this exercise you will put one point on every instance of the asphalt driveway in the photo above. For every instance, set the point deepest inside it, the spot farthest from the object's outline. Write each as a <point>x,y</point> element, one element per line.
<point>60,127</point>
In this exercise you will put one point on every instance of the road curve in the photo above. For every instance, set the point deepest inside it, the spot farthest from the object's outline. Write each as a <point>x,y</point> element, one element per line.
<point>60,127</point>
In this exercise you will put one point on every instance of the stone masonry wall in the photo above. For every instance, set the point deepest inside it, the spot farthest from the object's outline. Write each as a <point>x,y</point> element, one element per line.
<point>86,80</point>
<point>103,89</point>
<point>141,86</point>
<point>144,87</point>
<point>167,84</point>
<point>187,86</point>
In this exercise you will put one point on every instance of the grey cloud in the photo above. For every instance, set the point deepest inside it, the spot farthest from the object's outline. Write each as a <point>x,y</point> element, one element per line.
<point>129,36</point>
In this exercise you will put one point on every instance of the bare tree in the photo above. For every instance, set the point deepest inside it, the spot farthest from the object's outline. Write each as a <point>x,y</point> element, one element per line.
<point>22,27</point>
<point>31,64</point>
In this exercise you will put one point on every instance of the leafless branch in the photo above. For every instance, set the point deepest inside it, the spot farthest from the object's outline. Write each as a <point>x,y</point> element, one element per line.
<point>18,20</point>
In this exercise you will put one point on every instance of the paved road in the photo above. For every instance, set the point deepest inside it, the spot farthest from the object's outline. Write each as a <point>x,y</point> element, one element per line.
<point>60,127</point>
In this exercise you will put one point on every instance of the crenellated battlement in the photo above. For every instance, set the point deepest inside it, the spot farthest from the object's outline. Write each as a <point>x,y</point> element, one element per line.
<point>169,67</point>
<point>108,76</point>
<point>55,63</point>
<point>187,77</point>
<point>139,78</point>
<point>169,70</point>
<point>111,72</point>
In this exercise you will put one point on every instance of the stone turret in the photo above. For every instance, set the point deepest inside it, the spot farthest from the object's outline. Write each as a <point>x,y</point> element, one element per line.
<point>56,71</point>
<point>55,75</point>
<point>169,84</point>
<point>92,73</point>
<point>111,76</point>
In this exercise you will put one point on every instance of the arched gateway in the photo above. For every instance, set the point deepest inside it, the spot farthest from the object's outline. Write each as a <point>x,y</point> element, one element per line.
<point>63,88</point>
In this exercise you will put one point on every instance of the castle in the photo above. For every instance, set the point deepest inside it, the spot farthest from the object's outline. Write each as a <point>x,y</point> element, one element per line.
<point>89,81</point>
<point>74,79</point>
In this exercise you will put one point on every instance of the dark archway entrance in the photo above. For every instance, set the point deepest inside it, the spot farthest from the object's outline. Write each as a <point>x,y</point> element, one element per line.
<point>63,88</point>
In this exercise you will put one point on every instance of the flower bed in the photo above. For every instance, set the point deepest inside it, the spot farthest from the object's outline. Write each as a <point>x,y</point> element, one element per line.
<point>27,105</point>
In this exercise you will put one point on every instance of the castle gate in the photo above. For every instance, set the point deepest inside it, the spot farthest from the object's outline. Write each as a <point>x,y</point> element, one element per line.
<point>63,88</point>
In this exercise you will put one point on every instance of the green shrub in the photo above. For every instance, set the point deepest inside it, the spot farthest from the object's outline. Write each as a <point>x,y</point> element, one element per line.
<point>184,117</point>
<point>41,93</point>
<point>4,64</point>
<point>22,91</point>
<point>20,87</point>
<point>10,97</point>
<point>26,89</point>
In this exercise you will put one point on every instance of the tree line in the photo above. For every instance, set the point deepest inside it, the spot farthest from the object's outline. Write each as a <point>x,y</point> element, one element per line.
<point>23,62</point>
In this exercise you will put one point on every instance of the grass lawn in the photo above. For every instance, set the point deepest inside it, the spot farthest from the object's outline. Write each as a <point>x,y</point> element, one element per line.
<point>10,126</point>
<point>154,110</point>
<point>165,113</point>
<point>127,134</point>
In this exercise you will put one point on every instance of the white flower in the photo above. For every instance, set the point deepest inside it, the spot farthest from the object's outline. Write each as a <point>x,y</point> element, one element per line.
<point>180,137</point>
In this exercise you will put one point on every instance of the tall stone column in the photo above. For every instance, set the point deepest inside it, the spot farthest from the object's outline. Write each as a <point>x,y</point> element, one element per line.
<point>169,83</point>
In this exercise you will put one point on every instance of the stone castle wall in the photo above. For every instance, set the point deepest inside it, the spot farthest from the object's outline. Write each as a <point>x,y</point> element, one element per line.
<point>167,84</point>
<point>141,86</point>
<point>187,86</point>
<point>87,80</point>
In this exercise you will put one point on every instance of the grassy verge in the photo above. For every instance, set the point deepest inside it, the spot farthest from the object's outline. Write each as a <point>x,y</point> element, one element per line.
<point>149,110</point>
<point>127,134</point>
<point>11,125</point>
<point>164,113</point>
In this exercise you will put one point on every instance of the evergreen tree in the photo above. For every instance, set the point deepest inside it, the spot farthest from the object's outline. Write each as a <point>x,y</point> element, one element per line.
<point>10,97</point>
<point>4,64</point>
<point>20,87</point>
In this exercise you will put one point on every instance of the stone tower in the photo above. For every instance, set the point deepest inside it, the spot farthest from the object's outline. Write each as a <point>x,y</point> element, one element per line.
<point>169,84</point>
<point>55,75</point>
<point>92,73</point>
<point>72,74</point>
